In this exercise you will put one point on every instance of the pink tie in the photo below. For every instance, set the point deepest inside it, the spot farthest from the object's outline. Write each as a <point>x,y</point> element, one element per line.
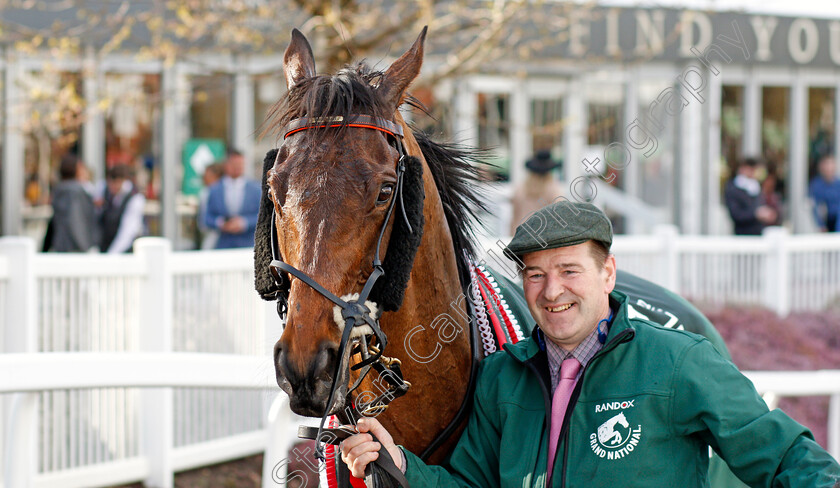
<point>568,372</point>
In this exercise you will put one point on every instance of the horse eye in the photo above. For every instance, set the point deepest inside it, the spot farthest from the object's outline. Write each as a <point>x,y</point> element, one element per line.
<point>385,193</point>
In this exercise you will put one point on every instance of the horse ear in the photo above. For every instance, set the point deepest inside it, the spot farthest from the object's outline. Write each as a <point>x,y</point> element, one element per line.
<point>298,62</point>
<point>400,74</point>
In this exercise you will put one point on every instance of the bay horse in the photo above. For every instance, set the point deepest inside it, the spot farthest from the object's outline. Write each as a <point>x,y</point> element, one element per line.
<point>350,178</point>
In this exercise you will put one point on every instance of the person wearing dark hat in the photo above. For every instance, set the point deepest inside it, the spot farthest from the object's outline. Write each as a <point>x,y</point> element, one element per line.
<point>542,162</point>
<point>539,188</point>
<point>121,215</point>
<point>598,398</point>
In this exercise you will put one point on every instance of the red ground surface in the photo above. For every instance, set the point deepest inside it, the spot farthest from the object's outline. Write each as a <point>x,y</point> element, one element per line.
<point>756,338</point>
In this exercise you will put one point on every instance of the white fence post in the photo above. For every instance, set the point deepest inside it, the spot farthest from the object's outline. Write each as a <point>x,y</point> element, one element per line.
<point>20,461</point>
<point>156,336</point>
<point>20,314</point>
<point>282,435</point>
<point>668,235</point>
<point>275,461</point>
<point>20,334</point>
<point>273,331</point>
<point>834,426</point>
<point>776,293</point>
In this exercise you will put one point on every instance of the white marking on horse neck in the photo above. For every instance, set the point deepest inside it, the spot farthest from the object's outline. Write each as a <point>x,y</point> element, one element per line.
<point>319,243</point>
<point>358,330</point>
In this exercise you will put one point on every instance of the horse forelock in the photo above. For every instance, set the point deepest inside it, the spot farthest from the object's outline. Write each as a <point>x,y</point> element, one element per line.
<point>353,90</point>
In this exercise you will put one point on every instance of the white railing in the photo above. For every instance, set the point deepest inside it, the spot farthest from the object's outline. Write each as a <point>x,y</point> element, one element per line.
<point>157,301</point>
<point>782,272</point>
<point>805,383</point>
<point>152,301</point>
<point>157,373</point>
<point>28,375</point>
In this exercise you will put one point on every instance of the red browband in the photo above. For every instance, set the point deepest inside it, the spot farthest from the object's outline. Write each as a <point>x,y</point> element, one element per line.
<point>363,121</point>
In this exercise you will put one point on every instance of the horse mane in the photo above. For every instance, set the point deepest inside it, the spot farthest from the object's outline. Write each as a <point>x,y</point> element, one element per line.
<point>353,90</point>
<point>456,172</point>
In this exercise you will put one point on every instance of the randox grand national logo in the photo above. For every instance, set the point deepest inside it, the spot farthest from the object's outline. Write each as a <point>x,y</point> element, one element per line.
<point>615,438</point>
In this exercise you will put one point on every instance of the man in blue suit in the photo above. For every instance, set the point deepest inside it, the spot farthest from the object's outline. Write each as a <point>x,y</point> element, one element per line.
<point>233,204</point>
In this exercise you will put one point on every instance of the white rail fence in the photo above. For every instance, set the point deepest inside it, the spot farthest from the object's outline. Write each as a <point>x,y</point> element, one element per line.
<point>783,272</point>
<point>154,301</point>
<point>28,375</point>
<point>157,301</point>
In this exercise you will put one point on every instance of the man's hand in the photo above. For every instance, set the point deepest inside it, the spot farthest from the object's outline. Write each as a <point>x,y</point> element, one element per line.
<point>234,225</point>
<point>359,450</point>
<point>765,214</point>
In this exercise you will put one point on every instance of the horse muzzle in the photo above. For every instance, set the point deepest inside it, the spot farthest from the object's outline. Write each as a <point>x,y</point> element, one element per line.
<point>309,390</point>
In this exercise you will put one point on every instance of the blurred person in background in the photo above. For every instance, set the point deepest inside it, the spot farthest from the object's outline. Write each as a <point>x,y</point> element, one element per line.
<point>824,190</point>
<point>771,194</point>
<point>539,189</point>
<point>73,225</point>
<point>233,205</point>
<point>743,200</point>
<point>212,174</point>
<point>121,212</point>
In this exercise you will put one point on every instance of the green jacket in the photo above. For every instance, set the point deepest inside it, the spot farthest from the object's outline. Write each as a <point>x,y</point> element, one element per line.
<point>643,411</point>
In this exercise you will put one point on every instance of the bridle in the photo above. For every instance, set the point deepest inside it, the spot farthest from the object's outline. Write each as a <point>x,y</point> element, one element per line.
<point>354,311</point>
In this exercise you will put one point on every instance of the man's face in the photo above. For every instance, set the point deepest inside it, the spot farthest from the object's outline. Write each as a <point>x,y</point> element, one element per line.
<point>748,171</point>
<point>828,169</point>
<point>115,185</point>
<point>82,173</point>
<point>568,291</point>
<point>235,166</point>
<point>209,177</point>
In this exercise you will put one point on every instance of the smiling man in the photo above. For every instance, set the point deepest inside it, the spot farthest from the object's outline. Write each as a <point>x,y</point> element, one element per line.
<point>567,290</point>
<point>598,398</point>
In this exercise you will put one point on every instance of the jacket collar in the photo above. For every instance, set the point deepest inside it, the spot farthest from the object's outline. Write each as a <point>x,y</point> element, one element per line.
<point>528,348</point>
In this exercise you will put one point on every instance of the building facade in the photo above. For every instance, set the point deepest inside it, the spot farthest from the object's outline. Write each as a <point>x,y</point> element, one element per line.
<point>649,109</point>
<point>660,104</point>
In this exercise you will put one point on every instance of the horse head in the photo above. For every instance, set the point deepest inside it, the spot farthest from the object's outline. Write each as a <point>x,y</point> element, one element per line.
<point>333,188</point>
<point>621,419</point>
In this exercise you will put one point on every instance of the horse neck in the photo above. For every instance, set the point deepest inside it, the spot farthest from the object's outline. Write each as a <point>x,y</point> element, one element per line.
<point>435,265</point>
<point>433,304</point>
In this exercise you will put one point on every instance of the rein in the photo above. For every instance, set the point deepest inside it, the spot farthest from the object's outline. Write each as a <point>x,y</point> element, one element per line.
<point>354,311</point>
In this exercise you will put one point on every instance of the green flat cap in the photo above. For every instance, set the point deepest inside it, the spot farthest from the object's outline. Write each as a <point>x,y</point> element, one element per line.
<point>560,224</point>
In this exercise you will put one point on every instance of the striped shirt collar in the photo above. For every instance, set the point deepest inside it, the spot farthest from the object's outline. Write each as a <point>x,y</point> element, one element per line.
<point>584,352</point>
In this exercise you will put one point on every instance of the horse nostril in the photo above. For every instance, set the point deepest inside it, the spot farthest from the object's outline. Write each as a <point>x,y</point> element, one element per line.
<point>278,356</point>
<point>278,348</point>
<point>281,365</point>
<point>282,371</point>
<point>329,347</point>
<point>327,356</point>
